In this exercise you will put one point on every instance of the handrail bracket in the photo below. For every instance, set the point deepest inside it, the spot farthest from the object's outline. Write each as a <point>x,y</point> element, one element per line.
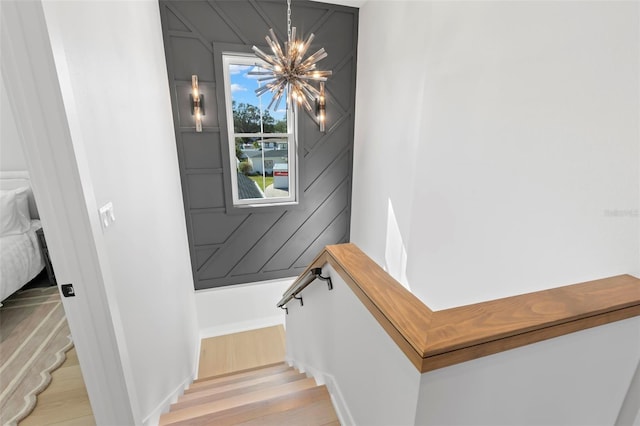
<point>300,285</point>
<point>318,273</point>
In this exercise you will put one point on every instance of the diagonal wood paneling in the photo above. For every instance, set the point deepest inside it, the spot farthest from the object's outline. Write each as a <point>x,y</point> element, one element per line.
<point>325,154</point>
<point>287,227</point>
<point>335,231</point>
<point>310,230</point>
<point>229,256</point>
<point>176,16</point>
<point>203,255</point>
<point>229,245</point>
<point>200,17</point>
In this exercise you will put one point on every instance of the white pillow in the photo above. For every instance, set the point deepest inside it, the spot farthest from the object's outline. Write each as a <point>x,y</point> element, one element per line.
<point>14,212</point>
<point>22,202</point>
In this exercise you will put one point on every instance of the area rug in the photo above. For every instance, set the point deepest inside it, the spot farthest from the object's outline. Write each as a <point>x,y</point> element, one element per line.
<point>34,338</point>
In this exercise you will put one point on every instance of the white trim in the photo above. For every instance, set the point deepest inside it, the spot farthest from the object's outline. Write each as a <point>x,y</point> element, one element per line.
<point>154,417</point>
<point>251,284</point>
<point>239,327</point>
<point>196,364</point>
<point>322,378</point>
<point>350,3</point>
<point>14,174</point>
<point>229,58</point>
<point>164,406</point>
<point>55,167</point>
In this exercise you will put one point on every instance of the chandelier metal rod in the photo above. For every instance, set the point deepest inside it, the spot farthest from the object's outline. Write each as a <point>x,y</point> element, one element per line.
<point>289,70</point>
<point>289,21</point>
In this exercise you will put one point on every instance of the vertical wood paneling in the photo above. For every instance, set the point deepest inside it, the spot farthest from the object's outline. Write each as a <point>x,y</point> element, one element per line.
<point>202,151</point>
<point>230,245</point>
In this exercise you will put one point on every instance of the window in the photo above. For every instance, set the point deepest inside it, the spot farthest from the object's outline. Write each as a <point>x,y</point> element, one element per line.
<point>261,141</point>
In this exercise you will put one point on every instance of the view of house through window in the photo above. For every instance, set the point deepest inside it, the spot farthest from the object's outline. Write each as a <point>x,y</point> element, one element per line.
<point>261,140</point>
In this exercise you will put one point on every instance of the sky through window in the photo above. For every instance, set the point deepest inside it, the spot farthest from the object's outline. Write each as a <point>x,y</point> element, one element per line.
<point>243,88</point>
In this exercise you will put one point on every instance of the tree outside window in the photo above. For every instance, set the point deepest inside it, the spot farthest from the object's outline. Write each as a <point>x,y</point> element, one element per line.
<point>261,140</point>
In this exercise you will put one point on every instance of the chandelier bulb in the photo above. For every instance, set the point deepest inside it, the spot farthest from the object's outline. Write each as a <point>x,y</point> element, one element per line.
<point>289,70</point>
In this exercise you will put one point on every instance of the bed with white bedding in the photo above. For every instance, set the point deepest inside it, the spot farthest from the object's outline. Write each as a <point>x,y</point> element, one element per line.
<point>20,256</point>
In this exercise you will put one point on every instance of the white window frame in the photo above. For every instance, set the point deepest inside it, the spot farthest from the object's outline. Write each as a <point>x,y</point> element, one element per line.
<point>229,58</point>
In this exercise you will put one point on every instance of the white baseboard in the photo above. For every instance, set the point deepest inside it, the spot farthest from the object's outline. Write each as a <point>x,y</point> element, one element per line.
<point>154,417</point>
<point>196,365</point>
<point>237,327</point>
<point>322,378</point>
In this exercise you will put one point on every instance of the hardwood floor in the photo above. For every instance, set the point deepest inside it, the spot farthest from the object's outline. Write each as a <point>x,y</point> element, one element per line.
<point>241,351</point>
<point>65,402</point>
<point>232,389</point>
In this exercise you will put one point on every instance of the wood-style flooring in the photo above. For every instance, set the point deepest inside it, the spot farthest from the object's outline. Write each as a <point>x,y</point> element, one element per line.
<point>65,402</point>
<point>241,351</point>
<point>241,392</point>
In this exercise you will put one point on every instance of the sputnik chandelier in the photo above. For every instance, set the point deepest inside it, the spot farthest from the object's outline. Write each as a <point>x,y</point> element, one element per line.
<point>287,69</point>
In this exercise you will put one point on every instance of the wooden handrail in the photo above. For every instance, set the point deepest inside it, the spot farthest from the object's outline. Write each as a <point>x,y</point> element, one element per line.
<point>300,284</point>
<point>436,339</point>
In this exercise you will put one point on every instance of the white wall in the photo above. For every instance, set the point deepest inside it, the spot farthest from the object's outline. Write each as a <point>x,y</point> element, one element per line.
<point>239,308</point>
<point>504,138</point>
<point>630,411</point>
<point>11,155</point>
<point>577,379</point>
<point>336,339</point>
<point>110,59</point>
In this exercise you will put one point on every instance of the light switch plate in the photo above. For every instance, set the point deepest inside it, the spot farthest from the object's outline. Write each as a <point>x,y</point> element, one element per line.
<point>107,217</point>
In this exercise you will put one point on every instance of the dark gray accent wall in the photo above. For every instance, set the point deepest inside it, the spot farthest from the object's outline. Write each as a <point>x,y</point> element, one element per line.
<point>230,245</point>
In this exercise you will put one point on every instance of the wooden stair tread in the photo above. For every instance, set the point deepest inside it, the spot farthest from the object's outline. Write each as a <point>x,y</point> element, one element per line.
<point>223,387</point>
<point>272,394</point>
<point>236,401</point>
<point>236,373</point>
<point>318,413</point>
<point>238,376</point>
<point>258,409</point>
<point>217,393</point>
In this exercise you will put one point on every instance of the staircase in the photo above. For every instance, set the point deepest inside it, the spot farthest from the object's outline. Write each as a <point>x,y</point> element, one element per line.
<point>275,394</point>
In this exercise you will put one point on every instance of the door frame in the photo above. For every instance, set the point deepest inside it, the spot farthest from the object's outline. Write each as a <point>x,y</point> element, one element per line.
<point>64,194</point>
